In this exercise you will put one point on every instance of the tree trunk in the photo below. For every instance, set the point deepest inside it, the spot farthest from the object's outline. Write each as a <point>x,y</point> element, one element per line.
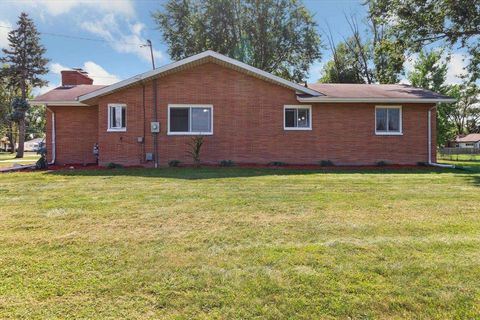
<point>21,121</point>
<point>11,137</point>
<point>21,138</point>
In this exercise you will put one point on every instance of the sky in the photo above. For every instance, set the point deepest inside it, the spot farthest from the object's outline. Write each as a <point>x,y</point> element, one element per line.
<point>105,37</point>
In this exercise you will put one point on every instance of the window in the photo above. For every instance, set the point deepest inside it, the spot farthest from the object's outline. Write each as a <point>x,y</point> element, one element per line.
<point>297,117</point>
<point>117,117</point>
<point>190,119</point>
<point>388,120</point>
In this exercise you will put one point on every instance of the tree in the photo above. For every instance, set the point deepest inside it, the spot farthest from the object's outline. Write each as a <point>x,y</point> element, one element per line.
<point>36,122</point>
<point>26,64</point>
<point>416,23</point>
<point>342,68</point>
<point>277,36</point>
<point>430,72</point>
<point>466,114</point>
<point>8,127</point>
<point>365,60</point>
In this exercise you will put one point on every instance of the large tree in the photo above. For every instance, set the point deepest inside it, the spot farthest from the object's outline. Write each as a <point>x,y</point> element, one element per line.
<point>8,127</point>
<point>466,113</point>
<point>416,23</point>
<point>278,36</point>
<point>343,66</point>
<point>430,72</point>
<point>370,58</point>
<point>25,64</point>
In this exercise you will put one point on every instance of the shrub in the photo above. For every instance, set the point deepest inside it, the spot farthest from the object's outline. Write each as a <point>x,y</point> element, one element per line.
<point>113,165</point>
<point>277,164</point>
<point>381,163</point>
<point>326,163</point>
<point>195,146</point>
<point>173,163</point>
<point>42,162</point>
<point>422,164</point>
<point>227,163</point>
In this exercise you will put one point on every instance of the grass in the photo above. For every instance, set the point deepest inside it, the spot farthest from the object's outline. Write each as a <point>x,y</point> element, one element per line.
<point>232,243</point>
<point>459,157</point>
<point>8,159</point>
<point>465,161</point>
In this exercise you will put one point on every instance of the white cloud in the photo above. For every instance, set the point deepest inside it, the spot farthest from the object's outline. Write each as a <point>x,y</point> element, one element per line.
<point>57,68</point>
<point>122,41</point>
<point>456,68</point>
<point>59,7</point>
<point>99,74</point>
<point>5,28</point>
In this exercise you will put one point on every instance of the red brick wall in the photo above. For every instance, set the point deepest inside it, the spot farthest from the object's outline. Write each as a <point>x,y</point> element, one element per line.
<point>76,133</point>
<point>248,124</point>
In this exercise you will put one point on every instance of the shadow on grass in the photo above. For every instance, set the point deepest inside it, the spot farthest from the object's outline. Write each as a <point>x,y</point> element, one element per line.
<point>219,173</point>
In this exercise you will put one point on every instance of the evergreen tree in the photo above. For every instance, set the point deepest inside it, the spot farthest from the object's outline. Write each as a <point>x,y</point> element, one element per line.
<point>26,64</point>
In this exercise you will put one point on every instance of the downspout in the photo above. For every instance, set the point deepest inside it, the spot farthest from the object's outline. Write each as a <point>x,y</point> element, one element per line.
<point>155,119</point>
<point>54,148</point>
<point>430,162</point>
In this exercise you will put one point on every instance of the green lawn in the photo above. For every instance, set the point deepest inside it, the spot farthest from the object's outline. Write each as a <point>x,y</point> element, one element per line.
<point>8,159</point>
<point>459,157</point>
<point>240,244</point>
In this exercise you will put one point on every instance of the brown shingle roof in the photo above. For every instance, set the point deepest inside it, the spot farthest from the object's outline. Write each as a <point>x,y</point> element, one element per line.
<point>472,137</point>
<point>395,91</point>
<point>67,93</point>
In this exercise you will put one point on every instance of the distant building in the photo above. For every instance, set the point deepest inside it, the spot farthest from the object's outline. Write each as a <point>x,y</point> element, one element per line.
<point>33,145</point>
<point>471,140</point>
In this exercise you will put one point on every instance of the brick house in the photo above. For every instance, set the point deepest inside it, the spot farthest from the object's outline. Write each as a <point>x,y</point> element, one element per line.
<point>246,115</point>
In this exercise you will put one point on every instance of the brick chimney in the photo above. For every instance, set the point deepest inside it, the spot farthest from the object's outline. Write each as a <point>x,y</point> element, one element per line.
<point>75,77</point>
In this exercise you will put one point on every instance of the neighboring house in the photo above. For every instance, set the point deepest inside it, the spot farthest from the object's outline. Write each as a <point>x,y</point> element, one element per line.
<point>246,115</point>
<point>471,140</point>
<point>33,145</point>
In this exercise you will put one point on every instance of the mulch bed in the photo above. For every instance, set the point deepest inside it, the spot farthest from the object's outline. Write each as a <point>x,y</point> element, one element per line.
<point>80,167</point>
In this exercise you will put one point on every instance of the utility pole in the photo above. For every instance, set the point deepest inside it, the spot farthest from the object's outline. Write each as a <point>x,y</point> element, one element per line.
<point>149,44</point>
<point>154,113</point>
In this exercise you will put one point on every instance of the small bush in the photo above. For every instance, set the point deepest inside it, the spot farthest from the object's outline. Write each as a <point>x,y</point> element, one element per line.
<point>227,163</point>
<point>195,146</point>
<point>422,164</point>
<point>42,162</point>
<point>277,164</point>
<point>381,163</point>
<point>113,165</point>
<point>326,163</point>
<point>173,163</point>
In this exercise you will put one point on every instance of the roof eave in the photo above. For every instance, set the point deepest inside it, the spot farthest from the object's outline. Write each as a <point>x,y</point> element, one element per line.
<point>66,103</point>
<point>374,100</point>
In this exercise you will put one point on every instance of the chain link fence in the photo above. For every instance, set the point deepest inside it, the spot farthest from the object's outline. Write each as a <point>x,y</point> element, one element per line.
<point>459,154</point>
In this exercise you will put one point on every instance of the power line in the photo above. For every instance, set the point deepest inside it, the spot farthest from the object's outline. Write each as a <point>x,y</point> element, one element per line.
<point>82,38</point>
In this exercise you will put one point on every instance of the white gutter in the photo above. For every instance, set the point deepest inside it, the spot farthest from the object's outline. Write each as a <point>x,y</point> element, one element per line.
<point>61,103</point>
<point>374,100</point>
<point>433,164</point>
<point>54,148</point>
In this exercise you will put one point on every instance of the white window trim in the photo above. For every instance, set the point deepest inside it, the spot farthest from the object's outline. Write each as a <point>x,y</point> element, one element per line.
<point>109,129</point>
<point>400,125</point>
<point>298,106</point>
<point>189,133</point>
